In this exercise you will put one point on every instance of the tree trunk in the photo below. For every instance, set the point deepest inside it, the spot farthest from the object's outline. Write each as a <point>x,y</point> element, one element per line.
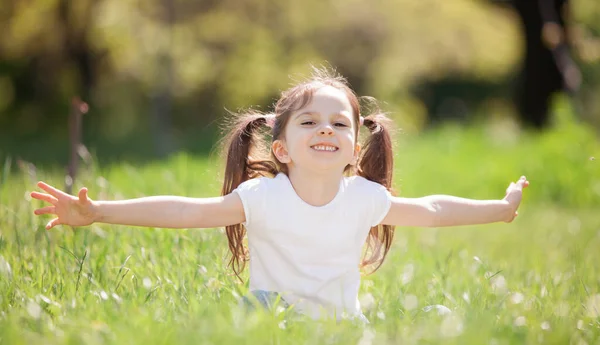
<point>547,67</point>
<point>162,98</point>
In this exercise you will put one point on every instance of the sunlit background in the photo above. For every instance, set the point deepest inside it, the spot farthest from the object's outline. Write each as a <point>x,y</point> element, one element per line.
<point>127,98</point>
<point>159,75</point>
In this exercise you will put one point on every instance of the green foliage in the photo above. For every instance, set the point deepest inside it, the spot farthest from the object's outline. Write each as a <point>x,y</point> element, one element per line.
<point>209,56</point>
<point>532,281</point>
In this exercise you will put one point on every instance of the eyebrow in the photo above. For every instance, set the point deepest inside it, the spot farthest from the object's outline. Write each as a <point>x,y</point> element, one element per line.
<point>315,113</point>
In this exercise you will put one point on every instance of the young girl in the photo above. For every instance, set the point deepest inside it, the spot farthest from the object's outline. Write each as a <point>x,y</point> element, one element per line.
<point>316,205</point>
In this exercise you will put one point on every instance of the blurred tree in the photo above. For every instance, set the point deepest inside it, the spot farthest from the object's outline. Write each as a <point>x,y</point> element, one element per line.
<point>162,95</point>
<point>76,19</point>
<point>547,66</point>
<point>157,72</point>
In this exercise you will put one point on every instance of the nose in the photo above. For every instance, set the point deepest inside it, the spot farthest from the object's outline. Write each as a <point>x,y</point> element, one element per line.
<point>326,130</point>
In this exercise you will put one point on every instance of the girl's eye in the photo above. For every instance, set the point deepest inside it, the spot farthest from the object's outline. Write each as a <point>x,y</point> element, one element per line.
<point>339,124</point>
<point>308,123</point>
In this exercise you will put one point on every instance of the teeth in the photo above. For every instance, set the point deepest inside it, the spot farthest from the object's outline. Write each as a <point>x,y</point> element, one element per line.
<point>324,148</point>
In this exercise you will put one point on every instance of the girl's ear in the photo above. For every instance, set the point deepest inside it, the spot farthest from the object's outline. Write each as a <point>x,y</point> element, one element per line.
<point>280,151</point>
<point>356,154</point>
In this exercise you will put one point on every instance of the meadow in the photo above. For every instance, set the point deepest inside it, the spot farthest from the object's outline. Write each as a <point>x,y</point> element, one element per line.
<point>533,281</point>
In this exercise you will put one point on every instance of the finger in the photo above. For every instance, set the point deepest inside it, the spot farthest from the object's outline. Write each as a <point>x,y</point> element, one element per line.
<point>510,186</point>
<point>522,184</point>
<point>45,210</point>
<point>44,197</point>
<point>83,194</point>
<point>53,191</point>
<point>54,222</point>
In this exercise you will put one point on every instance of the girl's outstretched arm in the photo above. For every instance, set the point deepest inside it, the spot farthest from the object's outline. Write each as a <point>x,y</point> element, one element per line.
<point>154,211</point>
<point>444,210</point>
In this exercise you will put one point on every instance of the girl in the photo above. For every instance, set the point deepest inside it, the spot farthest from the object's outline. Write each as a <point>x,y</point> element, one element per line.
<point>311,202</point>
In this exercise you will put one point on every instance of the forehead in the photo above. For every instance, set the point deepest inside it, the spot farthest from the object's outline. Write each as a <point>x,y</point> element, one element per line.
<point>328,99</point>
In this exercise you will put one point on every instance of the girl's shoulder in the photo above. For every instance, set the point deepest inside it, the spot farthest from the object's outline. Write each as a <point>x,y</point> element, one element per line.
<point>259,182</point>
<point>356,181</point>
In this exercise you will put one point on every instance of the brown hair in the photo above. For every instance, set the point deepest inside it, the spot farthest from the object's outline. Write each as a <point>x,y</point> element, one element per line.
<point>249,156</point>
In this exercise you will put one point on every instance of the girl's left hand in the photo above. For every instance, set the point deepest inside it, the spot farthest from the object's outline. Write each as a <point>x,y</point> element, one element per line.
<point>69,210</point>
<point>514,194</point>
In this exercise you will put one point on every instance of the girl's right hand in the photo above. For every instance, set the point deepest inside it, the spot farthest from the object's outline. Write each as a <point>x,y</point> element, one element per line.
<point>69,210</point>
<point>514,194</point>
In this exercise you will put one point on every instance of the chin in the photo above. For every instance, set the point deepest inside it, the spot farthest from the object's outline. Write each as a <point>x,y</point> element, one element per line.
<point>327,166</point>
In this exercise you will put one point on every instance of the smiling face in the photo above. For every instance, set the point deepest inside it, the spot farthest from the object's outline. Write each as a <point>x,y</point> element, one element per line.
<point>321,136</point>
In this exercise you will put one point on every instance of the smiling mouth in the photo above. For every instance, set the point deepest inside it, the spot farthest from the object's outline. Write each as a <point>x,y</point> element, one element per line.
<point>324,148</point>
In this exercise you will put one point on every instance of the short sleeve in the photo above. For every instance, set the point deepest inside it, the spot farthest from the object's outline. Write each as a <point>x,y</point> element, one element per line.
<point>253,196</point>
<point>381,202</point>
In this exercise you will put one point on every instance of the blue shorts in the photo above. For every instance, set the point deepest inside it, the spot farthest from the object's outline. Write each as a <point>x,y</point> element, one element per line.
<point>271,299</point>
<point>266,299</point>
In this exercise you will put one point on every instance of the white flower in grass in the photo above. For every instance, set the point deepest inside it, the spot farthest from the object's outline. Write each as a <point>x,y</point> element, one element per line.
<point>545,326</point>
<point>46,300</point>
<point>34,310</point>
<point>367,301</point>
<point>499,284</point>
<point>407,274</point>
<point>520,321</point>
<point>466,297</point>
<point>5,267</point>
<point>367,337</point>
<point>410,302</point>
<point>593,306</point>
<point>104,295</point>
<point>452,326</point>
<point>516,298</point>
<point>116,297</point>
<point>41,297</point>
<point>441,310</point>
<point>147,283</point>
<point>580,325</point>
<point>381,315</point>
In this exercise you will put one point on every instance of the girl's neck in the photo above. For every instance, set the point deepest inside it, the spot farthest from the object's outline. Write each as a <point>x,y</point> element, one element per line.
<point>315,188</point>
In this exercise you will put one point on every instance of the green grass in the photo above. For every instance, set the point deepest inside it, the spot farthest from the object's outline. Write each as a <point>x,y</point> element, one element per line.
<point>535,280</point>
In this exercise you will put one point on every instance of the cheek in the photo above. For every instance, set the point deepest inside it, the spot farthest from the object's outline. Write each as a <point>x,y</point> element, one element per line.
<point>298,139</point>
<point>350,138</point>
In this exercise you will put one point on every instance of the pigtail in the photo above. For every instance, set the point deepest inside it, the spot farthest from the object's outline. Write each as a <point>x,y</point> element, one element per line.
<point>376,164</point>
<point>245,159</point>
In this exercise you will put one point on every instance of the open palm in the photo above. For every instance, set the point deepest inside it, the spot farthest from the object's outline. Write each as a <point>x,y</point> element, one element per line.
<point>68,209</point>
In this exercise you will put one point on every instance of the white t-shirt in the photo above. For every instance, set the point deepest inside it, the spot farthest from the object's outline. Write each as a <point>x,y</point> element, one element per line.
<point>310,254</point>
